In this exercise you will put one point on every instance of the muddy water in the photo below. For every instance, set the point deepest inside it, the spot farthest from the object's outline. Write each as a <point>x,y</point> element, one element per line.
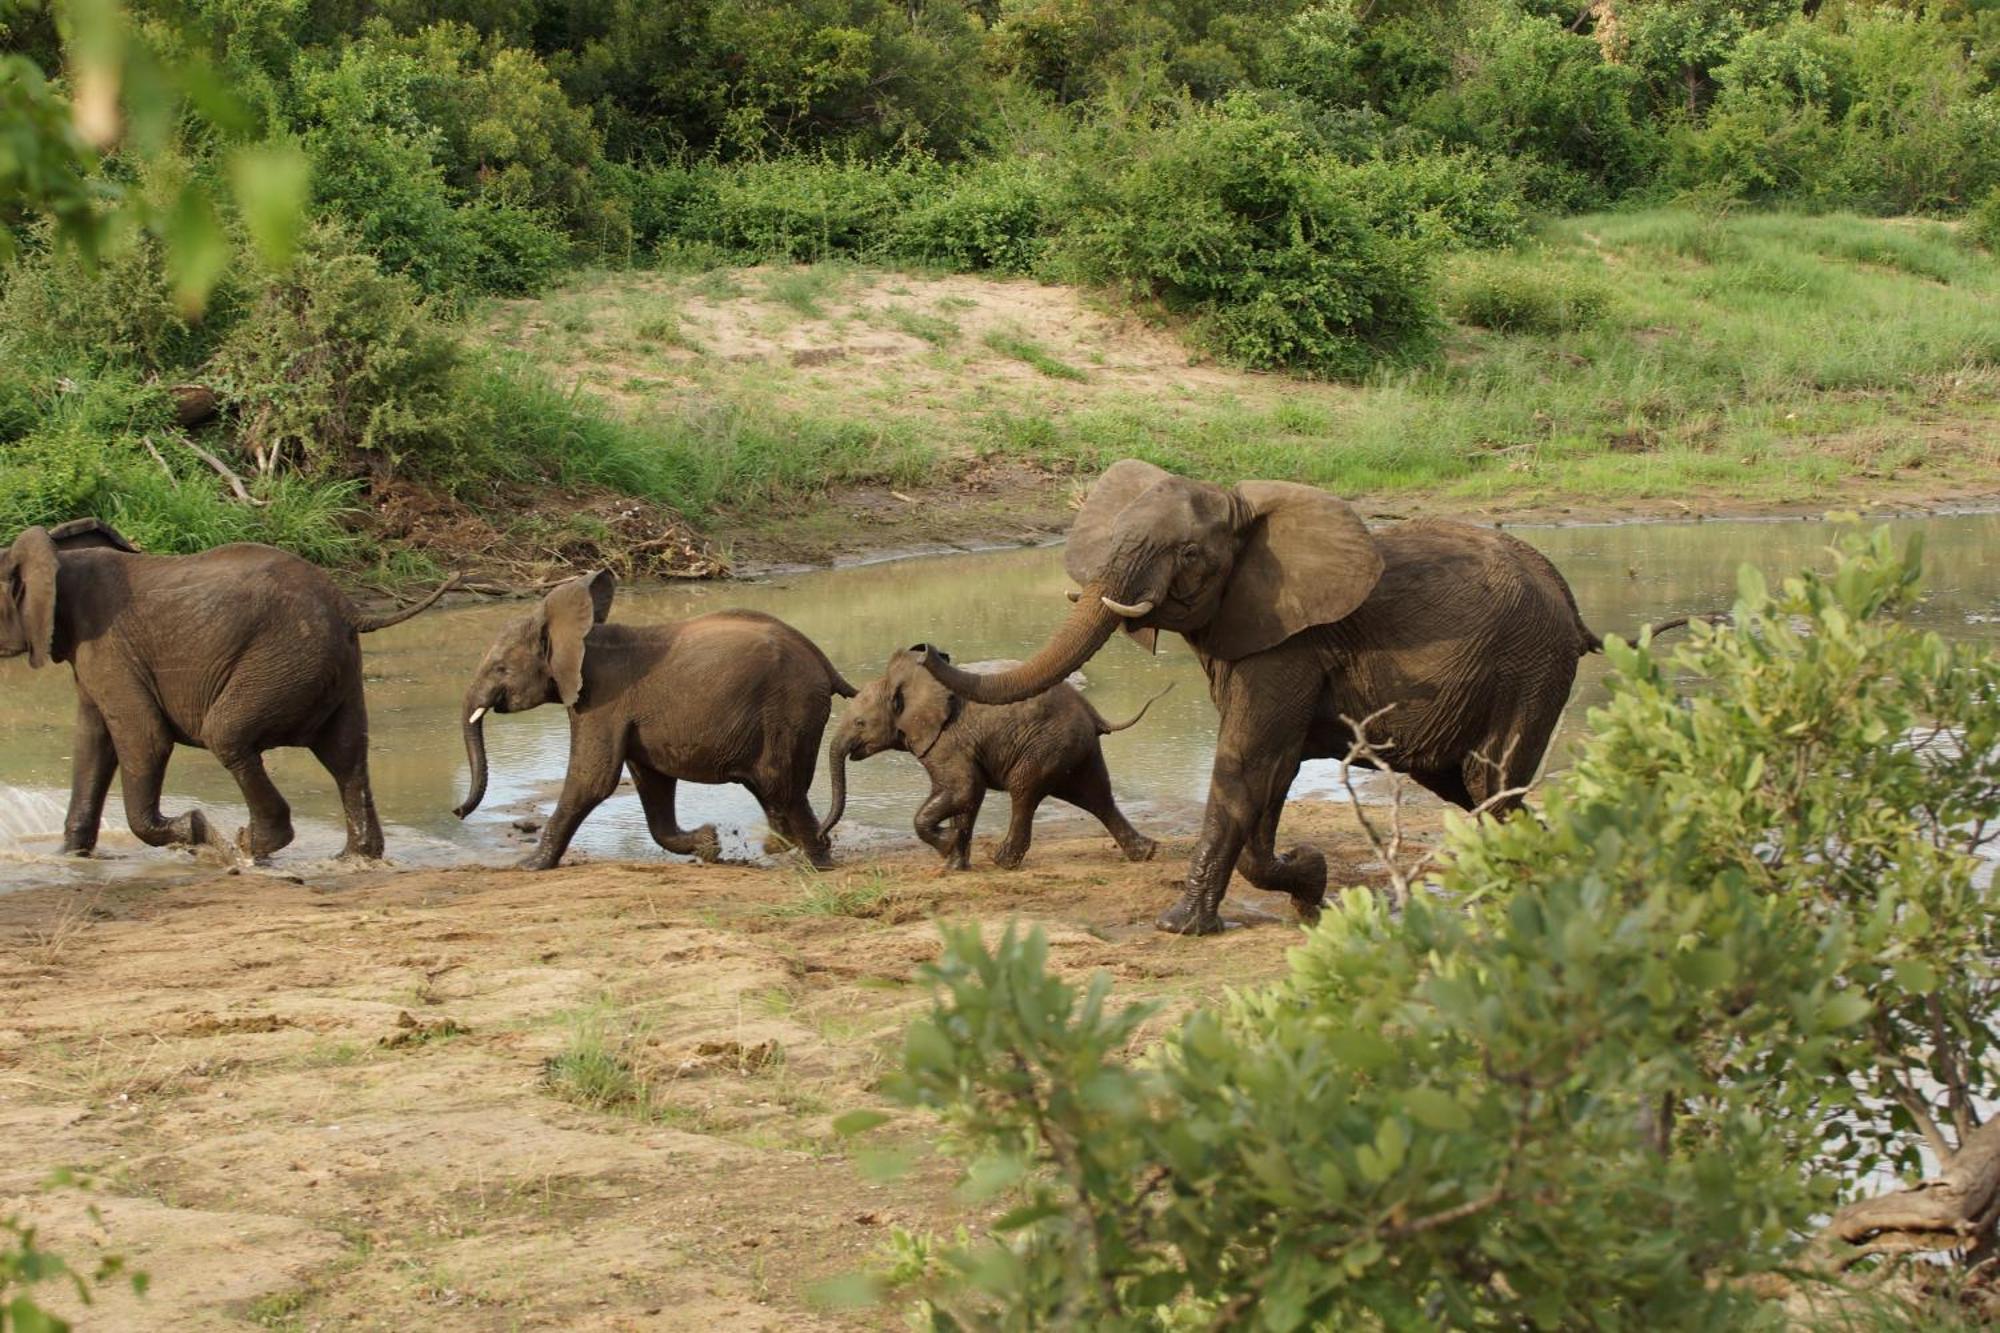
<point>995,605</point>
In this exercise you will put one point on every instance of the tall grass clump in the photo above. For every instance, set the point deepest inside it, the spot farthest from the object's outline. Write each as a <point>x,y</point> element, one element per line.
<point>1518,295</point>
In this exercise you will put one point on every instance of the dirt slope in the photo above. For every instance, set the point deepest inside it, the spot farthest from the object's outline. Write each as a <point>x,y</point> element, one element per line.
<point>329,1104</point>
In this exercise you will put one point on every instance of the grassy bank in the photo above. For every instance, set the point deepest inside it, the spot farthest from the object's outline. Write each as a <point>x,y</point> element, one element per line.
<point>1648,360</point>
<point>667,420</point>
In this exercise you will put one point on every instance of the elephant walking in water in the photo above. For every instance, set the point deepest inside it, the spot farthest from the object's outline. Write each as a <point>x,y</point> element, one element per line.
<point>1041,747</point>
<point>1301,616</point>
<point>237,650</point>
<point>734,696</point>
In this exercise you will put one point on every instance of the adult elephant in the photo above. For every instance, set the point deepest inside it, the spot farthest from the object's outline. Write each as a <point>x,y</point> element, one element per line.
<point>1301,616</point>
<point>237,650</point>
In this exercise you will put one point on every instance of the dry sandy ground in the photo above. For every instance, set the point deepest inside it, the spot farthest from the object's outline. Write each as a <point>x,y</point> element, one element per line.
<point>326,1103</point>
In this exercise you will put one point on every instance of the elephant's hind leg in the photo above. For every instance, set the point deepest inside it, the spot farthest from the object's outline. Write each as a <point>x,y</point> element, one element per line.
<point>92,763</point>
<point>342,749</point>
<point>270,828</point>
<point>1300,872</point>
<point>1013,849</point>
<point>656,797</point>
<point>1088,788</point>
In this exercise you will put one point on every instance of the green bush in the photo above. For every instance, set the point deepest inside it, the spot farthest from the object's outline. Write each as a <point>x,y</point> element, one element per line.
<point>996,216</point>
<point>57,308</point>
<point>1738,964</point>
<point>1453,201</point>
<point>1511,295</point>
<point>1224,214</point>
<point>337,370</point>
<point>1983,225</point>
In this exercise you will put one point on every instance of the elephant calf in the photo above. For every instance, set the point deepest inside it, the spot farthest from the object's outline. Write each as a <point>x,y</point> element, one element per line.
<point>735,696</point>
<point>1043,746</point>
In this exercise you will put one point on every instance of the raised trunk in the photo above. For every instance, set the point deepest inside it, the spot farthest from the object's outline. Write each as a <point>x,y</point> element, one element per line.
<point>837,751</point>
<point>475,754</point>
<point>1073,643</point>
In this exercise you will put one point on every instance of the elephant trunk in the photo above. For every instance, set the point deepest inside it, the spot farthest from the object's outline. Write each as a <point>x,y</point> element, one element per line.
<point>475,754</point>
<point>1089,625</point>
<point>838,751</point>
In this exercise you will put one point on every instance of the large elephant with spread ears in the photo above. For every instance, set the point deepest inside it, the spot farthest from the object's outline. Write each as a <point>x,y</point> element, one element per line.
<point>1301,616</point>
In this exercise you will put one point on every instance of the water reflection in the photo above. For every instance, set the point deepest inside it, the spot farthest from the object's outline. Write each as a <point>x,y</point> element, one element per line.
<point>982,606</point>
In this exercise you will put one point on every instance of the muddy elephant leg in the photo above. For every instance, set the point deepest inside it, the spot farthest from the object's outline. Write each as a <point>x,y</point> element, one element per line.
<point>791,817</point>
<point>1089,788</point>
<point>1300,872</point>
<point>92,762</point>
<point>944,803</point>
<point>656,797</point>
<point>270,828</point>
<point>1020,827</point>
<point>592,777</point>
<point>962,827</point>
<point>1507,764</point>
<point>342,750</point>
<point>1256,757</point>
<point>143,750</point>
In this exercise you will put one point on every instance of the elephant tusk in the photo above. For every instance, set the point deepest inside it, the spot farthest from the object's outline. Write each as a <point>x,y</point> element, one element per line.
<point>1129,612</point>
<point>477,713</point>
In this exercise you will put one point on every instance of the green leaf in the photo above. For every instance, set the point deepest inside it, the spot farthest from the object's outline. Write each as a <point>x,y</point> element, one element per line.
<point>1915,975</point>
<point>197,250</point>
<point>1027,1215</point>
<point>849,1291</point>
<point>1434,1109</point>
<point>990,1175</point>
<point>271,183</point>
<point>858,1122</point>
<point>1844,1009</point>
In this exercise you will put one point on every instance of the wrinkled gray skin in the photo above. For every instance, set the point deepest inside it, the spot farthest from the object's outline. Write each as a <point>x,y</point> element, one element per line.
<point>236,651</point>
<point>736,696</point>
<point>1043,746</point>
<point>1300,615</point>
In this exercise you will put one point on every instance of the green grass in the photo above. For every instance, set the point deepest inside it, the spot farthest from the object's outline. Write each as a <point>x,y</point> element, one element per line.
<point>592,1071</point>
<point>1025,349</point>
<point>864,896</point>
<point>803,288</point>
<point>933,329</point>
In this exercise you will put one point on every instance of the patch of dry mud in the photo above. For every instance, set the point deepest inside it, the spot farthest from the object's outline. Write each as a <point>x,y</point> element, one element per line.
<point>311,1106</point>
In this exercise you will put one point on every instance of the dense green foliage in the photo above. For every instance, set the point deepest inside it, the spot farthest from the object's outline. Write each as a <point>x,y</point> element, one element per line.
<point>1613,1058</point>
<point>1287,179</point>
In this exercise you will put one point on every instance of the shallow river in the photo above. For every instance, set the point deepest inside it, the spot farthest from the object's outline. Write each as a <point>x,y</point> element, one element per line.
<point>997,605</point>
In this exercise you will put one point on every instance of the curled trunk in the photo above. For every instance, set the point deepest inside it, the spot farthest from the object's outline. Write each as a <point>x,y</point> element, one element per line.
<point>837,751</point>
<point>475,754</point>
<point>1073,643</point>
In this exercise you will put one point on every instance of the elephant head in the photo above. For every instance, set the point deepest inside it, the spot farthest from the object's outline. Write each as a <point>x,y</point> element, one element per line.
<point>537,659</point>
<point>1234,570</point>
<point>905,708</point>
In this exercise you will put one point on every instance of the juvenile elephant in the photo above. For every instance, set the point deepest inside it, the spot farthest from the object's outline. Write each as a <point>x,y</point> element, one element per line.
<point>1043,746</point>
<point>236,651</point>
<point>735,696</point>
<point>1301,616</point>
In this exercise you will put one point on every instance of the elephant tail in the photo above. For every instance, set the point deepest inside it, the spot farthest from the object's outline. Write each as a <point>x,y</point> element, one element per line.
<point>834,680</point>
<point>1106,728</point>
<point>369,624</point>
<point>1595,643</point>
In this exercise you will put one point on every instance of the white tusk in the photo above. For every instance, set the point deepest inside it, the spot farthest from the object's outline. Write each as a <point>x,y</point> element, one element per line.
<point>1129,612</point>
<point>477,713</point>
<point>1073,595</point>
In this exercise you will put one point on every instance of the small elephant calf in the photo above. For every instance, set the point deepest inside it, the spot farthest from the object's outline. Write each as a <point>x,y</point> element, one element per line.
<point>1043,746</point>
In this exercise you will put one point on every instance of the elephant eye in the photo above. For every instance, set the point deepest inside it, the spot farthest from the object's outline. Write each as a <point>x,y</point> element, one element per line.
<point>896,704</point>
<point>1189,553</point>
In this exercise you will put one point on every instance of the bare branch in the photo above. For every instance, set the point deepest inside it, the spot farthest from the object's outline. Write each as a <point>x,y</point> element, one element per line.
<point>222,470</point>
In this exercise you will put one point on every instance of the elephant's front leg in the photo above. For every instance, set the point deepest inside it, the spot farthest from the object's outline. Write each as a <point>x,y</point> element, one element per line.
<point>1256,756</point>
<point>594,764</point>
<point>93,760</point>
<point>943,804</point>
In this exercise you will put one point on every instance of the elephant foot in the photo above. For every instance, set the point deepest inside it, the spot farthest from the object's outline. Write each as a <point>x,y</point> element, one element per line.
<point>194,830</point>
<point>1007,859</point>
<point>1142,849</point>
<point>1189,915</point>
<point>537,860</point>
<point>255,844</point>
<point>707,845</point>
<point>78,846</point>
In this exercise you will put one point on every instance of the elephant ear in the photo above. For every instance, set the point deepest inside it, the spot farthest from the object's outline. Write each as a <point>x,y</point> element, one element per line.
<point>31,585</point>
<point>1306,559</point>
<point>926,706</point>
<point>1090,535</point>
<point>80,533</point>
<point>567,615</point>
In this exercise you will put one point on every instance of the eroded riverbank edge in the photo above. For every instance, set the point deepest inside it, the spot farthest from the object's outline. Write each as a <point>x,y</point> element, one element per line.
<point>345,1101</point>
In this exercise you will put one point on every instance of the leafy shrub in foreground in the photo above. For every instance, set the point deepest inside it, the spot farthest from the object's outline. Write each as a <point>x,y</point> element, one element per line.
<point>1984,223</point>
<point>1224,214</point>
<point>1605,1070</point>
